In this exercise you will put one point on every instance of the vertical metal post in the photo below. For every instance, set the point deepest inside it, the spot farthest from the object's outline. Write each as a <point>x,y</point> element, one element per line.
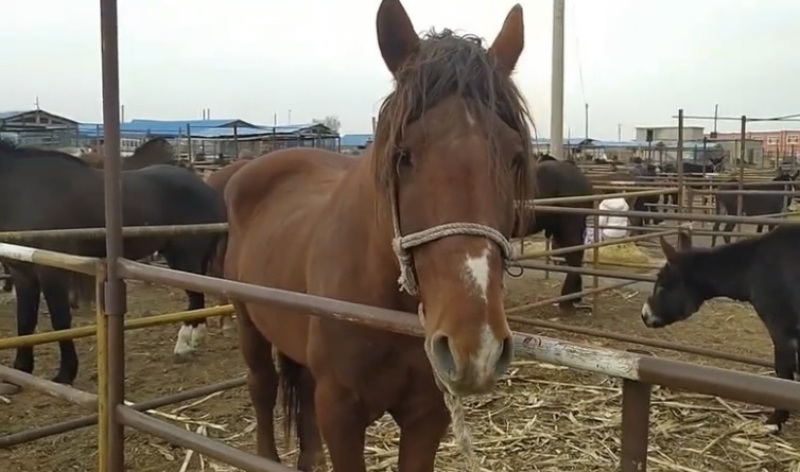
<point>102,371</point>
<point>635,425</point>
<point>115,286</point>
<point>189,152</point>
<point>679,162</point>
<point>740,197</point>
<point>596,256</point>
<point>557,83</point>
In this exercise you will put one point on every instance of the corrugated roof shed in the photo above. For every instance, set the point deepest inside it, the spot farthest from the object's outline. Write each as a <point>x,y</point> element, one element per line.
<point>6,115</point>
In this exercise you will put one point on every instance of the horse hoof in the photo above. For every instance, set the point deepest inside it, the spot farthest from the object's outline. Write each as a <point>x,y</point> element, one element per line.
<point>9,389</point>
<point>184,357</point>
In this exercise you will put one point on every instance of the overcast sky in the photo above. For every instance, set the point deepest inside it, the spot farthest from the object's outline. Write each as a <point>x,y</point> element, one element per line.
<point>640,60</point>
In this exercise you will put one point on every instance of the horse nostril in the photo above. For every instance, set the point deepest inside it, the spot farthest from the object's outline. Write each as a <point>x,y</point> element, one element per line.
<point>443,353</point>
<point>505,359</point>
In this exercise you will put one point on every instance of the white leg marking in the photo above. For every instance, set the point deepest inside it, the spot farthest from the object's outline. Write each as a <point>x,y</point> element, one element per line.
<point>183,345</point>
<point>476,271</point>
<point>488,353</point>
<point>647,314</point>
<point>198,335</point>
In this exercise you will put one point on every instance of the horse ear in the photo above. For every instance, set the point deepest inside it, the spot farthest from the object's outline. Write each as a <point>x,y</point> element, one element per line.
<point>396,36</point>
<point>684,241</point>
<point>669,252</point>
<point>510,41</point>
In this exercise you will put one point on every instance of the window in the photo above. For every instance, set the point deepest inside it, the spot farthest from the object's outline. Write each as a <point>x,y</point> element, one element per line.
<point>793,139</point>
<point>772,140</point>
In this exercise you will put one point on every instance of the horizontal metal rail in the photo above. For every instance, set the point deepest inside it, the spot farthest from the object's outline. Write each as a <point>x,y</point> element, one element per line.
<point>100,233</point>
<point>738,386</point>
<point>91,330</point>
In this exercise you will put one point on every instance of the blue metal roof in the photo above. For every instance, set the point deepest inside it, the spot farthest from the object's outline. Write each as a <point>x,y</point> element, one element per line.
<point>199,128</point>
<point>356,140</point>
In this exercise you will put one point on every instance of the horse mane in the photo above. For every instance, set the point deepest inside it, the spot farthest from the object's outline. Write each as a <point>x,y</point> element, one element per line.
<point>448,64</point>
<point>11,150</point>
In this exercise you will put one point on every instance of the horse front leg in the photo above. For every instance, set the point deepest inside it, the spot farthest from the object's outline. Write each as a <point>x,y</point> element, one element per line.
<point>343,421</point>
<point>423,423</point>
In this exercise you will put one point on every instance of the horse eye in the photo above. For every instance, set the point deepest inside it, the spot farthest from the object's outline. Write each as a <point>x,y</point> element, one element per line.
<point>404,158</point>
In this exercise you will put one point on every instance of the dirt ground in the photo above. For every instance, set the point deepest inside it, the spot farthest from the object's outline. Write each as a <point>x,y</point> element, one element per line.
<point>543,418</point>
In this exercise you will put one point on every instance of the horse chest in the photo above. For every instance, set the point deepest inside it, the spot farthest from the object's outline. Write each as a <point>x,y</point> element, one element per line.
<point>379,366</point>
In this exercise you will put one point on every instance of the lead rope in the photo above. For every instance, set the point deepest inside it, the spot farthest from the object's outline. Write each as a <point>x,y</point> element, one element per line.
<point>461,433</point>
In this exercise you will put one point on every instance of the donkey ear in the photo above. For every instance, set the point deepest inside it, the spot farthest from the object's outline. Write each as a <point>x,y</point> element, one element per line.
<point>684,241</point>
<point>669,252</point>
<point>396,36</point>
<point>510,41</point>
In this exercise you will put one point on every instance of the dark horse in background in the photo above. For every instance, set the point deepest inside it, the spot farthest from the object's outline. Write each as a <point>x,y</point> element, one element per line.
<point>554,178</point>
<point>45,189</point>
<point>151,152</point>
<point>753,204</point>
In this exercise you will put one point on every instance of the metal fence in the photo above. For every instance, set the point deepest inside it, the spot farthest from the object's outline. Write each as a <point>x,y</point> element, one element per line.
<point>639,372</point>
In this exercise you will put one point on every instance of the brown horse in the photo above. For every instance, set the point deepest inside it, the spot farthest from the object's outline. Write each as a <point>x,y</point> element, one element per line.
<point>432,202</point>
<point>218,180</point>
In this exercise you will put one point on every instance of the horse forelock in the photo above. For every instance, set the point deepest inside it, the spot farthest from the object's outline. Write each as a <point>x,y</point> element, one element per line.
<point>448,64</point>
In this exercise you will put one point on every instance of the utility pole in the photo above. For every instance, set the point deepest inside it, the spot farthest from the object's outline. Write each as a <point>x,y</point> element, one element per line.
<point>619,131</point>
<point>557,83</point>
<point>585,121</point>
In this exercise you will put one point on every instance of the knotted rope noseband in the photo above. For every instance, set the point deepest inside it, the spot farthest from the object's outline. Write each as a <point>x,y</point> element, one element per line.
<point>402,244</point>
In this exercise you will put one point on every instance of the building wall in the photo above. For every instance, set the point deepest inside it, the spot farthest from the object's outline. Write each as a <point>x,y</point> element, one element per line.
<point>780,143</point>
<point>670,133</point>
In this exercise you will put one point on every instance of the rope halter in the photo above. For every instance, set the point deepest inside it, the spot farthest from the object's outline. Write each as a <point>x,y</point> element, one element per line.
<point>403,244</point>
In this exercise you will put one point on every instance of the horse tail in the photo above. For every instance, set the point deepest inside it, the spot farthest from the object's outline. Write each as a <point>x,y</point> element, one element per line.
<point>289,375</point>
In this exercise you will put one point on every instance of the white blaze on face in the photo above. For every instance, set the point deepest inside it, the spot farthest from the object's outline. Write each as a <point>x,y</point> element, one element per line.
<point>476,272</point>
<point>485,359</point>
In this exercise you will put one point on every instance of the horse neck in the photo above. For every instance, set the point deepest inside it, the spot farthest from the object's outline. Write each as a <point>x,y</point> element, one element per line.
<point>723,271</point>
<point>375,260</point>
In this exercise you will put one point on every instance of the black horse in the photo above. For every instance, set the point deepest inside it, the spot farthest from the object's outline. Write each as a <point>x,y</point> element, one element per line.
<point>556,178</point>
<point>45,189</point>
<point>761,271</point>
<point>753,204</point>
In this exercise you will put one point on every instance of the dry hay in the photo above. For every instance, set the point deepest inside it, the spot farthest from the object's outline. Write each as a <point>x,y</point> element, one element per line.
<point>611,257</point>
<point>552,419</point>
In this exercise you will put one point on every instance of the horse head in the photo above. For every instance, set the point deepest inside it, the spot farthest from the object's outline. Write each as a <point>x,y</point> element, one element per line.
<point>451,155</point>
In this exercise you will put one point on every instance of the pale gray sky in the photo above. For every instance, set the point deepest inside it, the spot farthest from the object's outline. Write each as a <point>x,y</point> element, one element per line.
<point>641,60</point>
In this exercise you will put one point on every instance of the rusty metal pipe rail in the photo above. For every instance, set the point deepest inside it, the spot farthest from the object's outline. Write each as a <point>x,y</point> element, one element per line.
<point>597,196</point>
<point>84,265</point>
<point>609,274</point>
<point>196,442</point>
<point>14,439</point>
<point>612,242</point>
<point>99,233</point>
<point>62,392</point>
<point>672,216</point>
<point>738,386</point>
<point>656,343</point>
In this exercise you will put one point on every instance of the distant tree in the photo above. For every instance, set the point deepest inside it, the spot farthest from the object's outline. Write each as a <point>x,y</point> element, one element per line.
<point>331,121</point>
